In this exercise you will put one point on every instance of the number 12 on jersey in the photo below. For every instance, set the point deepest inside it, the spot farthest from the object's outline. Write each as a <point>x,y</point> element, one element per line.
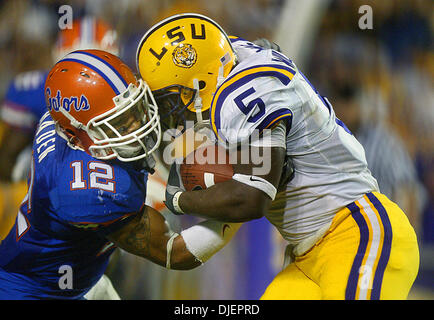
<point>100,176</point>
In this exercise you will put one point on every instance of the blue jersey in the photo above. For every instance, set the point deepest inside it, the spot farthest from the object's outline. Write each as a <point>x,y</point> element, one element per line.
<point>72,203</point>
<point>24,103</point>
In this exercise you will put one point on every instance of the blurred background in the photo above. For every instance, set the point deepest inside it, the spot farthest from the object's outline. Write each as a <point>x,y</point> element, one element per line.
<point>379,80</point>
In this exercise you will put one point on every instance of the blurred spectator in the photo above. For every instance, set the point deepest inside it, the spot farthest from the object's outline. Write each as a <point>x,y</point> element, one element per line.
<point>26,37</point>
<point>405,30</point>
<point>24,102</point>
<point>387,156</point>
<point>380,83</point>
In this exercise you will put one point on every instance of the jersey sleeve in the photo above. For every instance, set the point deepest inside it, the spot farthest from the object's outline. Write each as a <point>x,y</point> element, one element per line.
<point>24,102</point>
<point>252,100</point>
<point>99,195</point>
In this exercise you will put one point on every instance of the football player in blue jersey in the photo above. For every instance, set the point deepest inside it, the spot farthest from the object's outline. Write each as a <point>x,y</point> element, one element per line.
<point>90,159</point>
<point>346,240</point>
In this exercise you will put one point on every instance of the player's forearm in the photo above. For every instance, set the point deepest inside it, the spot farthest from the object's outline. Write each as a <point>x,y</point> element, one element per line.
<point>176,257</point>
<point>180,258</point>
<point>227,201</point>
<point>147,236</point>
<point>202,241</point>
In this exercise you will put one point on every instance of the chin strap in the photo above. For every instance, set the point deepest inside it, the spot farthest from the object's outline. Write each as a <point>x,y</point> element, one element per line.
<point>74,122</point>
<point>197,101</point>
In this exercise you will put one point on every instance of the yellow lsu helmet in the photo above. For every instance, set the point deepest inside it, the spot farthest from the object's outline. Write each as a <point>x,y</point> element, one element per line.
<point>183,59</point>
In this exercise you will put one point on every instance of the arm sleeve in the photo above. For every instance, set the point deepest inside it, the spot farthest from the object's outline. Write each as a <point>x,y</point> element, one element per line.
<point>275,137</point>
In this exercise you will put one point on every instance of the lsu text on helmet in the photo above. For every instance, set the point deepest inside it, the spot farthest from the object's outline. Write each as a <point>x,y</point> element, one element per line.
<point>101,108</point>
<point>183,59</point>
<point>86,33</point>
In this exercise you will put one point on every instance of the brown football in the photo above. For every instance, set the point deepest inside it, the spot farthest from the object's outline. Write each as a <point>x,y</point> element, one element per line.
<point>205,167</point>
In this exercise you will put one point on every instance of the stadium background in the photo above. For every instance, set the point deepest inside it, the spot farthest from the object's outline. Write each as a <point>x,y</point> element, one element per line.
<point>379,78</point>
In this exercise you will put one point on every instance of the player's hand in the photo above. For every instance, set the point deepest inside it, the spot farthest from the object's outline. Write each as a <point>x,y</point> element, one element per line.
<point>266,44</point>
<point>174,189</point>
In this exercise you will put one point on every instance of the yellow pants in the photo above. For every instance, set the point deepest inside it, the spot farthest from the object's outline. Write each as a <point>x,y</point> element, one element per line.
<point>369,252</point>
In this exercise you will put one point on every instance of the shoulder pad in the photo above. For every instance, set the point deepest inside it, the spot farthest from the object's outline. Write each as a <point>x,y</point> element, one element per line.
<point>253,98</point>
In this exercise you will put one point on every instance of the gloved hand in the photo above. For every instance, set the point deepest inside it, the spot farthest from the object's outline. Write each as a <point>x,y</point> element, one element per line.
<point>174,189</point>
<point>267,44</point>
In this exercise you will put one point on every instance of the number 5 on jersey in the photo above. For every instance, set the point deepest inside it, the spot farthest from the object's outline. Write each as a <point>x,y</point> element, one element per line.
<point>239,101</point>
<point>100,176</point>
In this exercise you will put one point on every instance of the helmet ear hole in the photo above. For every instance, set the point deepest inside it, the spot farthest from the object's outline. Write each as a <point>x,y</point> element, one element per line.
<point>69,133</point>
<point>202,84</point>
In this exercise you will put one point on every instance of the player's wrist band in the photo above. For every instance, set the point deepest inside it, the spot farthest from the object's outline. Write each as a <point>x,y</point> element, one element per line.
<point>169,249</point>
<point>175,202</point>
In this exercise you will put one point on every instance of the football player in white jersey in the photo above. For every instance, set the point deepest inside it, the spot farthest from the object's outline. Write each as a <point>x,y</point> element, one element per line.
<point>345,239</point>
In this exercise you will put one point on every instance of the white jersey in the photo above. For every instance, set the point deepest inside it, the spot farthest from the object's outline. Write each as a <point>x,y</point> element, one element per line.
<point>331,171</point>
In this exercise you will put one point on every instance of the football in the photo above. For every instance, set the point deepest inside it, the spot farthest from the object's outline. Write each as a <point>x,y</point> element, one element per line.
<point>205,167</point>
